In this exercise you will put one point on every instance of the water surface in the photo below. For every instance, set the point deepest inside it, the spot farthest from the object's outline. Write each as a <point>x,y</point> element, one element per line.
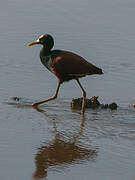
<point>57,143</point>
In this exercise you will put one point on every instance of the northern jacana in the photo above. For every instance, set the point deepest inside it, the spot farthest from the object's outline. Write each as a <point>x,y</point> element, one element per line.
<point>64,65</point>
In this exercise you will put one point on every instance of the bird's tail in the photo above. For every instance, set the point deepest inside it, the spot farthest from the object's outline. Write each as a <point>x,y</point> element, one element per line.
<point>95,70</point>
<point>100,71</point>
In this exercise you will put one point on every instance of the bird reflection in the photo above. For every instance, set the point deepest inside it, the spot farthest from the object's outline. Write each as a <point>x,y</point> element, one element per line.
<point>61,152</point>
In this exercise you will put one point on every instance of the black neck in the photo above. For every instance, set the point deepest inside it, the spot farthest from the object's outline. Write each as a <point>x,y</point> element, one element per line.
<point>45,51</point>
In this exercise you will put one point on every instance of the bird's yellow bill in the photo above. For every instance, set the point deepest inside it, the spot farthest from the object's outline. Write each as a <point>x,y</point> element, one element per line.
<point>32,43</point>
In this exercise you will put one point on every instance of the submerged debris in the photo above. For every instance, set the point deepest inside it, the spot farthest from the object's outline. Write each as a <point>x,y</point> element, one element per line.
<point>15,98</point>
<point>104,106</point>
<point>92,103</point>
<point>113,106</point>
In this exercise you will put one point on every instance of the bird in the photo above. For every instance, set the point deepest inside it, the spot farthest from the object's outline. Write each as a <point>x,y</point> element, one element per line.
<point>65,65</point>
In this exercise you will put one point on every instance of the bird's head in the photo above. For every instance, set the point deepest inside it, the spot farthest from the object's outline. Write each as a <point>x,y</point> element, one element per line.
<point>45,39</point>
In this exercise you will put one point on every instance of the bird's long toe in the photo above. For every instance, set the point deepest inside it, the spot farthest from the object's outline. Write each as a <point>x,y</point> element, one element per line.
<point>35,104</point>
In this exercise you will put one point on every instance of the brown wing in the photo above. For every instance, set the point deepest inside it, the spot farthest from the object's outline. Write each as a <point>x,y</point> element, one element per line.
<point>69,66</point>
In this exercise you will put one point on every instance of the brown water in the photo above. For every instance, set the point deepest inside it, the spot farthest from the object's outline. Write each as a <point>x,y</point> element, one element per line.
<point>57,143</point>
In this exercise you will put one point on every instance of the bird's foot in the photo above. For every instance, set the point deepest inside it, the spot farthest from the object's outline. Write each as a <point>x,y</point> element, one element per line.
<point>82,113</point>
<point>35,106</point>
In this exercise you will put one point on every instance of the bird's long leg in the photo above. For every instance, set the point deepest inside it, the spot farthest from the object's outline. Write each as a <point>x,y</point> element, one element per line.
<point>84,96</point>
<point>49,99</point>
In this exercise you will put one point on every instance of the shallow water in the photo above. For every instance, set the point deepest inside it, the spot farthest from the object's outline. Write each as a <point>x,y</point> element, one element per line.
<point>56,142</point>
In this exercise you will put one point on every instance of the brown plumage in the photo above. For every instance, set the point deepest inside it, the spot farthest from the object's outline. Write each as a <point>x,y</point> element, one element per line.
<point>67,66</point>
